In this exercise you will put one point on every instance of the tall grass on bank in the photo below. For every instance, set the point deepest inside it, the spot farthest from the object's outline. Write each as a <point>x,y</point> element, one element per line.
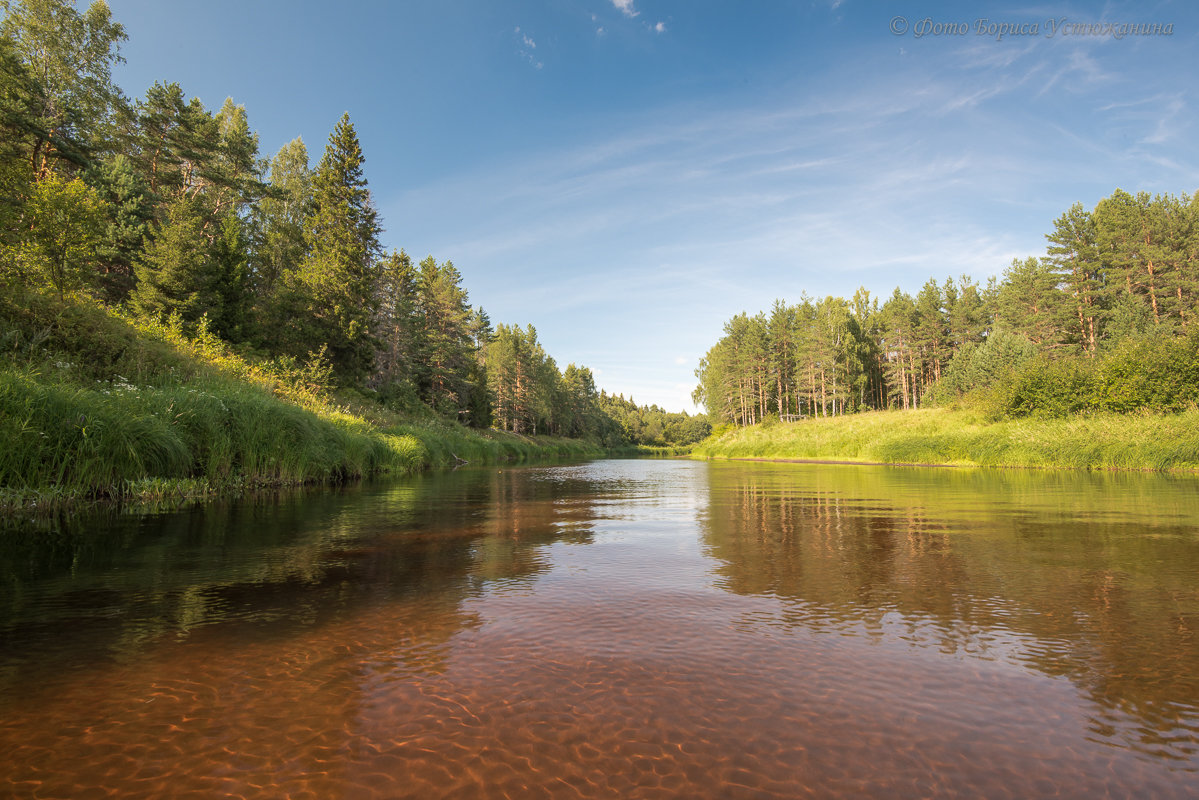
<point>93,404</point>
<point>956,437</point>
<point>93,439</point>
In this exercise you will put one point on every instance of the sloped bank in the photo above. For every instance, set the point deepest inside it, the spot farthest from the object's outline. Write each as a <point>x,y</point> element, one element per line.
<point>96,406</point>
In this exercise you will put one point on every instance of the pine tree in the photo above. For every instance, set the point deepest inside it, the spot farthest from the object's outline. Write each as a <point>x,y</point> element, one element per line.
<point>902,372</point>
<point>1074,257</point>
<point>235,171</point>
<point>967,316</point>
<point>872,387</point>
<point>782,334</point>
<point>20,130</point>
<point>230,281</point>
<point>478,406</point>
<point>156,138</point>
<point>508,377</point>
<point>1029,302</point>
<point>932,330</point>
<point>1120,236</point>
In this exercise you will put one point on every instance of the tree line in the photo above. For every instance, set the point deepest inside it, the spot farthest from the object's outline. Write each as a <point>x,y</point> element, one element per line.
<point>167,208</point>
<point>1112,300</point>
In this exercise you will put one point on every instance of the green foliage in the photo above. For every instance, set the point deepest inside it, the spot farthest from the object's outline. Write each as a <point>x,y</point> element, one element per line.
<point>58,435</point>
<point>1048,387</point>
<point>20,128</point>
<point>69,57</point>
<point>1127,316</point>
<point>1028,302</point>
<point>441,339</point>
<point>194,266</point>
<point>237,304</point>
<point>63,221</point>
<point>979,366</point>
<point>128,214</point>
<point>278,219</point>
<point>649,426</point>
<point>810,358</point>
<point>1148,374</point>
<point>1157,374</point>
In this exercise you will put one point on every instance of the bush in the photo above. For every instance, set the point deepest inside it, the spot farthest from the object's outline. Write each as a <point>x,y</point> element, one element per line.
<point>1146,374</point>
<point>980,366</point>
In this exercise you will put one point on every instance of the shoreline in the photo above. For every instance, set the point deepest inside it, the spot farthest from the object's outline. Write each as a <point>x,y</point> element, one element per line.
<point>152,494</point>
<point>960,438</point>
<point>933,465</point>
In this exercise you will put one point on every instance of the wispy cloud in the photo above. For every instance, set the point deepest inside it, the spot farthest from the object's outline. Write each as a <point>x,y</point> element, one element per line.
<point>660,27</point>
<point>1165,126</point>
<point>917,172</point>
<point>1079,74</point>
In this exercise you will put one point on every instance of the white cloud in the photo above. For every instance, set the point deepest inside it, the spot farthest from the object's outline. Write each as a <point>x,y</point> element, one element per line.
<point>626,7</point>
<point>660,27</point>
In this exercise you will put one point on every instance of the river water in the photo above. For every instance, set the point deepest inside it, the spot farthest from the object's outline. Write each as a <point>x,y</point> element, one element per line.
<point>621,628</point>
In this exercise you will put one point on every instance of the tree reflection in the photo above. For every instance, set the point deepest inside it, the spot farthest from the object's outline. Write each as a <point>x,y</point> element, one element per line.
<point>1051,571</point>
<point>107,586</point>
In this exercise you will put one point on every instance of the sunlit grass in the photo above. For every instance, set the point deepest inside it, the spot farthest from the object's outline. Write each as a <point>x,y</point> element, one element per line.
<point>97,405</point>
<point>957,437</point>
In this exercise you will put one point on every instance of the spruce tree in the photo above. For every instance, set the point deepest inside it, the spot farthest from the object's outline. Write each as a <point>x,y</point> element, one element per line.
<point>195,265</point>
<point>129,213</point>
<point>445,315</point>
<point>335,286</point>
<point>397,325</point>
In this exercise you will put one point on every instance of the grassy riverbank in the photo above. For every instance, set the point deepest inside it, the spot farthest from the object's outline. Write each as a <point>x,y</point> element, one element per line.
<point>94,405</point>
<point>965,438</point>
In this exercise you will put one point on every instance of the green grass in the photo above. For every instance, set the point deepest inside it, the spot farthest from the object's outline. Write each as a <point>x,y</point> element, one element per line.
<point>94,405</point>
<point>1163,442</point>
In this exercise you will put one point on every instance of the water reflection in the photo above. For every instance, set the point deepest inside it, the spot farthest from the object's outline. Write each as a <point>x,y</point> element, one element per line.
<point>614,629</point>
<point>72,590</point>
<point>1083,576</point>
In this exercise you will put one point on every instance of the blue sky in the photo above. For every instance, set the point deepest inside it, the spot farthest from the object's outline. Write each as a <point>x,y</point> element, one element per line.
<point>627,175</point>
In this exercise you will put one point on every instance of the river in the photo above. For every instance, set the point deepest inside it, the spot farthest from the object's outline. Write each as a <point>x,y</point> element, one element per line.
<point>615,629</point>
